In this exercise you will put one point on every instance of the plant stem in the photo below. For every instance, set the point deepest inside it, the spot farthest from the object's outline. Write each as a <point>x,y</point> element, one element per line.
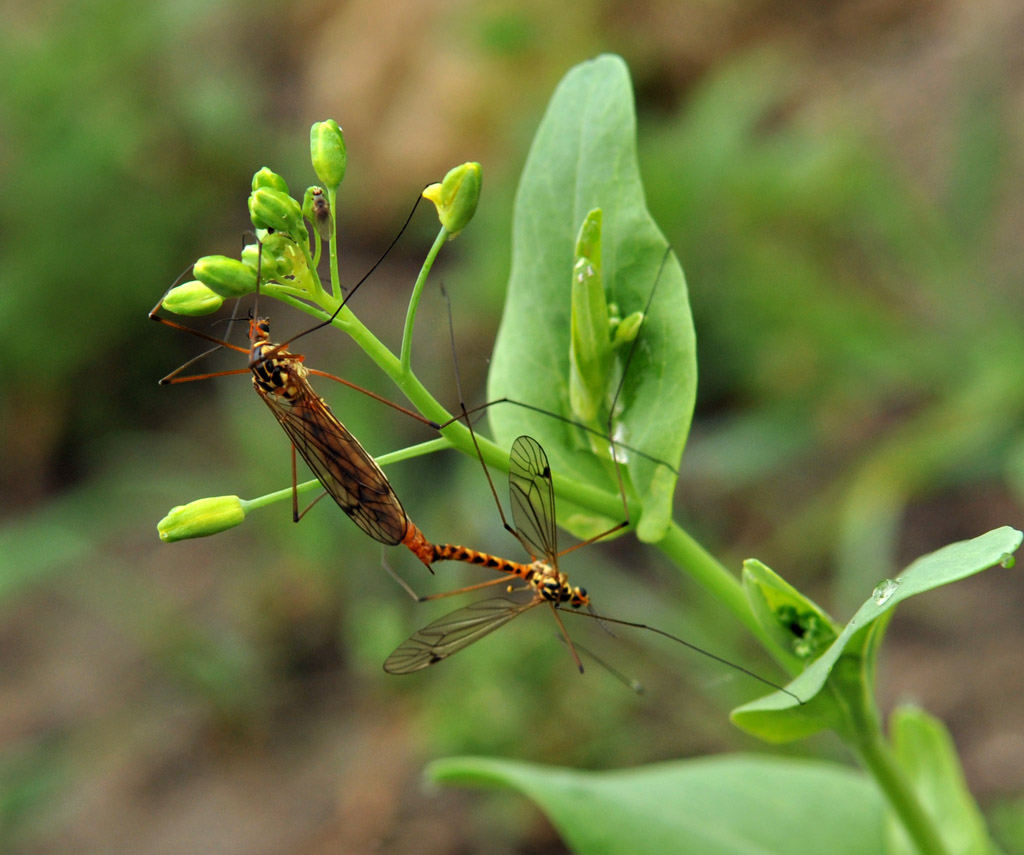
<point>332,200</point>
<point>875,755</point>
<point>428,447</point>
<point>708,572</point>
<point>276,496</point>
<point>414,300</point>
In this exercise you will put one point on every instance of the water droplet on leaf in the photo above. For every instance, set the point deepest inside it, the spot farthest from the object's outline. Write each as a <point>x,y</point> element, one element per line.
<point>884,590</point>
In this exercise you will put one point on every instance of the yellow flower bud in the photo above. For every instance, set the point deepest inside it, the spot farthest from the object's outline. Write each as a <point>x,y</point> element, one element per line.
<point>456,197</point>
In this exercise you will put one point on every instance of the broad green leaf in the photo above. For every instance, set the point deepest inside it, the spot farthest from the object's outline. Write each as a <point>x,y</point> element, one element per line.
<point>584,157</point>
<point>736,805</point>
<point>778,718</point>
<point>925,751</point>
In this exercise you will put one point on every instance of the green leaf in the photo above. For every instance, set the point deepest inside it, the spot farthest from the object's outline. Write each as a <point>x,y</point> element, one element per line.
<point>795,621</point>
<point>927,755</point>
<point>779,718</point>
<point>1006,818</point>
<point>736,805</point>
<point>584,157</point>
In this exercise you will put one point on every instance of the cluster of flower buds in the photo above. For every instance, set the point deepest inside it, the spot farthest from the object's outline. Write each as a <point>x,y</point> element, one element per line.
<point>217,278</point>
<point>281,258</point>
<point>282,254</point>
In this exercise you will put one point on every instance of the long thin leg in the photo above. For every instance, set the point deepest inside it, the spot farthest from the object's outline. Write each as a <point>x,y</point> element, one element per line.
<point>366,276</point>
<point>479,408</point>
<point>568,640</point>
<point>692,647</point>
<point>464,416</point>
<point>377,397</point>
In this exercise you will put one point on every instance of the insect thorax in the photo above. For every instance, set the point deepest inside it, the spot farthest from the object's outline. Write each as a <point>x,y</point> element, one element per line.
<point>554,586</point>
<point>280,375</point>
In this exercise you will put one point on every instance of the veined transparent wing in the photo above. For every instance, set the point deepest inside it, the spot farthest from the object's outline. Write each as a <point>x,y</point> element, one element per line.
<point>532,497</point>
<point>344,467</point>
<point>453,632</point>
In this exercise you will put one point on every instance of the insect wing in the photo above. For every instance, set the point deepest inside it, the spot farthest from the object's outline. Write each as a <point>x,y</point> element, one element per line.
<point>533,498</point>
<point>453,632</point>
<point>348,473</point>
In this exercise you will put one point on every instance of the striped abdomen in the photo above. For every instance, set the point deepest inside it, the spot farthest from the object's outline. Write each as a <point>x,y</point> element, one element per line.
<point>451,552</point>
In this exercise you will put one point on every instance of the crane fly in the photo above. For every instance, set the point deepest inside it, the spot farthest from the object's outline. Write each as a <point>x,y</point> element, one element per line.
<point>533,503</point>
<point>532,498</point>
<point>348,473</point>
<point>345,469</point>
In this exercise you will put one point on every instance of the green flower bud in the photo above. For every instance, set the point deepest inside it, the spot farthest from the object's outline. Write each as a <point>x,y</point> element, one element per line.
<point>286,260</point>
<point>456,197</point>
<point>192,298</point>
<point>251,255</point>
<point>327,151</point>
<point>266,257</point>
<point>272,209</point>
<point>225,276</point>
<point>279,259</point>
<point>588,240</point>
<point>626,329</point>
<point>318,211</point>
<point>201,518</point>
<point>590,343</point>
<point>266,177</point>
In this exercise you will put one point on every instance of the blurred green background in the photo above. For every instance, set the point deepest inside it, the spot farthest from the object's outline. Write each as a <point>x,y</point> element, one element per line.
<point>843,187</point>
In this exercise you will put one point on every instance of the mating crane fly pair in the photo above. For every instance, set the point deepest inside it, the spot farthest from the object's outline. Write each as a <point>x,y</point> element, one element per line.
<point>360,488</point>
